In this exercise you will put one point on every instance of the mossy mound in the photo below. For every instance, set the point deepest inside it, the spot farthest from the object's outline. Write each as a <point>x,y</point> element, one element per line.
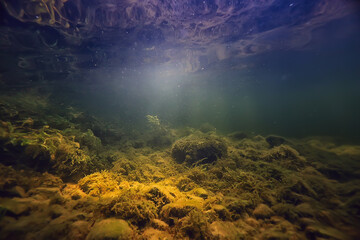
<point>110,228</point>
<point>100,183</point>
<point>44,149</point>
<point>133,207</point>
<point>198,149</point>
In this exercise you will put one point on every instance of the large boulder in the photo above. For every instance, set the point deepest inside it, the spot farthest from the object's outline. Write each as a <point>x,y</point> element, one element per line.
<point>198,149</point>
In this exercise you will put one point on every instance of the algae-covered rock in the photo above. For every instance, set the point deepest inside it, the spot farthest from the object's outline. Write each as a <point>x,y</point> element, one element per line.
<point>160,195</point>
<point>86,139</point>
<point>78,230</point>
<point>194,226</point>
<point>15,206</point>
<point>45,149</point>
<point>99,183</point>
<point>284,156</point>
<point>263,211</point>
<point>274,141</point>
<point>286,210</point>
<point>180,208</point>
<point>200,192</point>
<point>110,229</point>
<point>198,149</point>
<point>16,191</point>
<point>185,184</point>
<point>237,206</point>
<point>225,230</point>
<point>238,135</point>
<point>207,127</point>
<point>135,209</point>
<point>155,234</point>
<point>159,135</point>
<point>221,212</point>
<point>158,224</point>
<point>317,231</point>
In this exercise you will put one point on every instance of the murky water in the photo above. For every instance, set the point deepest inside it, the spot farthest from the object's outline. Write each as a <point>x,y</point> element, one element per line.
<point>179,119</point>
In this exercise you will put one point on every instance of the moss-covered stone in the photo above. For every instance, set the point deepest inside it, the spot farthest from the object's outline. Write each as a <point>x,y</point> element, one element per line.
<point>275,141</point>
<point>263,211</point>
<point>100,183</point>
<point>198,149</point>
<point>225,230</point>
<point>110,228</point>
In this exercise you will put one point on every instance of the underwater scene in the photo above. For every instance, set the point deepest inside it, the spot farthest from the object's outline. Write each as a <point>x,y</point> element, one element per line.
<point>179,119</point>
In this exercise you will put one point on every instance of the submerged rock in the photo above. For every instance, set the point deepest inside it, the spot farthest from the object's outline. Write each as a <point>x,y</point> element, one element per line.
<point>238,135</point>
<point>180,209</point>
<point>207,127</point>
<point>225,230</point>
<point>221,212</point>
<point>275,141</point>
<point>263,211</point>
<point>198,149</point>
<point>317,231</point>
<point>158,224</point>
<point>285,156</point>
<point>78,230</point>
<point>110,229</point>
<point>15,206</point>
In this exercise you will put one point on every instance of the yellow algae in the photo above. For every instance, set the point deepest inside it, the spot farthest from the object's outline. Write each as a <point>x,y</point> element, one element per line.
<point>100,184</point>
<point>180,208</point>
<point>134,208</point>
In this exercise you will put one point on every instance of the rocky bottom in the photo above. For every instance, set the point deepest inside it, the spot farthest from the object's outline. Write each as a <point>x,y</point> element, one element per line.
<point>204,186</point>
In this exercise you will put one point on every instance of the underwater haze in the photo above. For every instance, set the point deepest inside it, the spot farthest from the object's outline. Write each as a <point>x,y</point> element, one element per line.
<point>129,119</point>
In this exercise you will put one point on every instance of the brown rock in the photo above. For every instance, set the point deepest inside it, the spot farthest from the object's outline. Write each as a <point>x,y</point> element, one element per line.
<point>225,230</point>
<point>155,234</point>
<point>111,228</point>
<point>45,191</point>
<point>252,222</point>
<point>315,231</point>
<point>221,212</point>
<point>78,230</point>
<point>198,149</point>
<point>263,211</point>
<point>14,206</point>
<point>158,224</point>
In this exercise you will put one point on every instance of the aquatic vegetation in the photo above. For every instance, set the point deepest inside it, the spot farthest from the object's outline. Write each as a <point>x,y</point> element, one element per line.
<point>195,150</point>
<point>238,135</point>
<point>56,152</point>
<point>275,141</point>
<point>154,122</point>
<point>285,156</point>
<point>110,228</point>
<point>263,211</point>
<point>87,140</point>
<point>174,211</point>
<point>99,184</point>
<point>179,120</point>
<point>159,135</point>
<point>185,184</point>
<point>248,191</point>
<point>135,208</point>
<point>228,230</point>
<point>195,226</point>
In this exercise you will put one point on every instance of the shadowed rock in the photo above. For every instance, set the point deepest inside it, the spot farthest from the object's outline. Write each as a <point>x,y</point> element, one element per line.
<point>275,141</point>
<point>198,149</point>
